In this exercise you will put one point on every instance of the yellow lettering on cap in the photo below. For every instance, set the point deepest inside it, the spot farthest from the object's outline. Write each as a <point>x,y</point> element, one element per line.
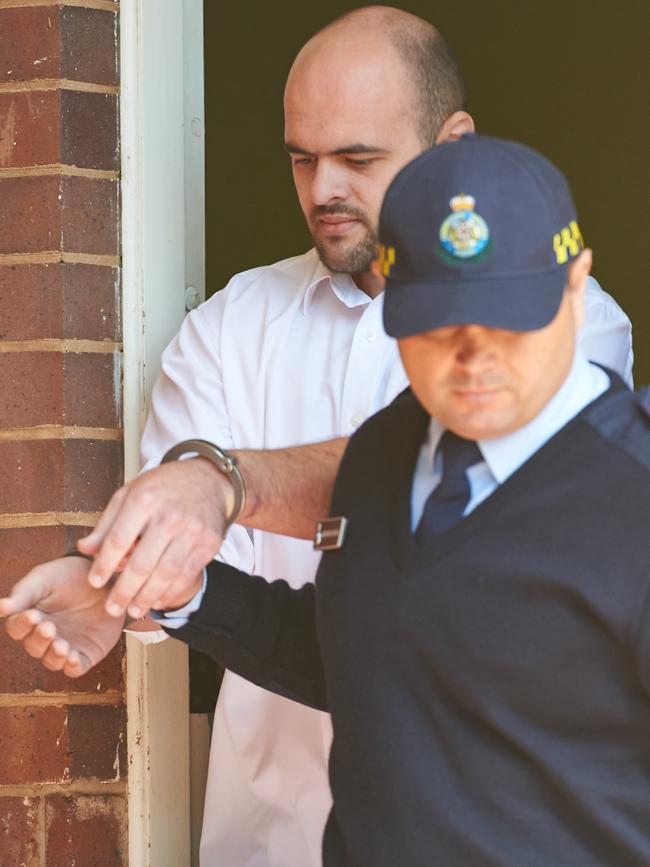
<point>386,259</point>
<point>567,242</point>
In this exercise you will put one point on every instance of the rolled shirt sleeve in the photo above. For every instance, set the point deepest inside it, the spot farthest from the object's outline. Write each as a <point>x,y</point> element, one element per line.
<point>188,402</point>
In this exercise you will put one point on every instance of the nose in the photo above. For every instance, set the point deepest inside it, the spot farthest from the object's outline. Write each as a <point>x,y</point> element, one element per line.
<point>328,183</point>
<point>474,346</point>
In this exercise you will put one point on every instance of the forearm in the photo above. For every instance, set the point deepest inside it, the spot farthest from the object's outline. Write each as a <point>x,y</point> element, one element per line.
<point>289,490</point>
<point>265,632</point>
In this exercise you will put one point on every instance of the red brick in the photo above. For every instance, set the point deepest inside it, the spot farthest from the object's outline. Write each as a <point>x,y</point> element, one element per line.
<point>30,128</point>
<point>91,302</point>
<point>97,742</point>
<point>20,673</point>
<point>93,471</point>
<point>52,475</point>
<point>23,548</point>
<point>70,127</point>
<point>75,43</point>
<point>89,134</point>
<point>32,388</point>
<point>59,300</point>
<point>19,832</point>
<point>89,220</point>
<point>30,46</point>
<point>33,745</point>
<point>90,45</point>
<point>90,382</point>
<point>73,534</point>
<point>55,388</point>
<point>32,301</point>
<point>31,476</point>
<point>86,831</point>
<point>51,213</point>
<point>30,214</point>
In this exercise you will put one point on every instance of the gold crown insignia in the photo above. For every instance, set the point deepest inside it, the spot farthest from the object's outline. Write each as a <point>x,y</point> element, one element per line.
<point>462,203</point>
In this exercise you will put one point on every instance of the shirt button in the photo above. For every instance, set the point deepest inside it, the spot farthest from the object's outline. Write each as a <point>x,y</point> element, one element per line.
<point>371,335</point>
<point>356,419</point>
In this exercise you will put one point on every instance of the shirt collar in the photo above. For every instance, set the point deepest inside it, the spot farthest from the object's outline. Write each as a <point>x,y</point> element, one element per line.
<point>504,455</point>
<point>585,382</point>
<point>342,285</point>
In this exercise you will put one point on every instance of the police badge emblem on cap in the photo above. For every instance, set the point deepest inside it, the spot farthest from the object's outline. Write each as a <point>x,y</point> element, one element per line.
<point>464,234</point>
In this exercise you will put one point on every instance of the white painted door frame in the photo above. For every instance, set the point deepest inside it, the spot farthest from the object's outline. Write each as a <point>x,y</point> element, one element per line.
<point>163,254</point>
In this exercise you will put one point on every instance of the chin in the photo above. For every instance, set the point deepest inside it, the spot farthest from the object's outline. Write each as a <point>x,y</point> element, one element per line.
<point>344,255</point>
<point>481,424</point>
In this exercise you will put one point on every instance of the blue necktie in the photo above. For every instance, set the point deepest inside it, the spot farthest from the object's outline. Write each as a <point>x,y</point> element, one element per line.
<point>449,500</point>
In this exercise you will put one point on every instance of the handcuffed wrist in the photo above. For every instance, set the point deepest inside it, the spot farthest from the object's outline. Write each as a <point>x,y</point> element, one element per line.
<point>223,461</point>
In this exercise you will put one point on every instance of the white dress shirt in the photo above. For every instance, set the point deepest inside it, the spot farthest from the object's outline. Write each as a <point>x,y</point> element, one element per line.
<point>284,355</point>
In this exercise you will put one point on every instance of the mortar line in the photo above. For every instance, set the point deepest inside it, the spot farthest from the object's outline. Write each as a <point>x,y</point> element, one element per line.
<point>105,5</point>
<point>58,344</point>
<point>26,520</point>
<point>76,787</point>
<point>53,257</point>
<point>40,85</point>
<point>50,169</point>
<point>59,432</point>
<point>112,698</point>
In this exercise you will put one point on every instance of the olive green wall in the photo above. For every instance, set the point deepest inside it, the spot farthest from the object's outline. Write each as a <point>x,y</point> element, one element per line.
<point>569,78</point>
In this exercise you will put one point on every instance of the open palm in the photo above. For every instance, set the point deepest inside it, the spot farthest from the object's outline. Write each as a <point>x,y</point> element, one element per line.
<point>59,618</point>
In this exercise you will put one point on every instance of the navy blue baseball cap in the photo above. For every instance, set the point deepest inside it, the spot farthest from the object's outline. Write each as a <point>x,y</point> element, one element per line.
<point>477,231</point>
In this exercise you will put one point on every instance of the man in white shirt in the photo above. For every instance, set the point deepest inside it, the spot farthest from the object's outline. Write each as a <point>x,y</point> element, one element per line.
<point>288,354</point>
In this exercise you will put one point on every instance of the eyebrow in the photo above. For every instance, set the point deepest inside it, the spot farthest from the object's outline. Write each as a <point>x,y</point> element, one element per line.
<point>348,149</point>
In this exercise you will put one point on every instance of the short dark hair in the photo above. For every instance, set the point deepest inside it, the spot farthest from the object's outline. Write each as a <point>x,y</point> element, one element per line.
<point>434,72</point>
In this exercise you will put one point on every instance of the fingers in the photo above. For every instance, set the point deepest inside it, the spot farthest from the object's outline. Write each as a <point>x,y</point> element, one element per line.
<point>116,541</point>
<point>35,634</point>
<point>172,576</point>
<point>56,655</point>
<point>91,543</point>
<point>162,529</point>
<point>141,567</point>
<point>19,626</point>
<point>27,593</point>
<point>39,639</point>
<point>174,582</point>
<point>76,664</point>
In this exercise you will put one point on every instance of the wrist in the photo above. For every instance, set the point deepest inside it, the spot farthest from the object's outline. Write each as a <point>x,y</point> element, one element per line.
<point>224,462</point>
<point>244,457</point>
<point>226,493</point>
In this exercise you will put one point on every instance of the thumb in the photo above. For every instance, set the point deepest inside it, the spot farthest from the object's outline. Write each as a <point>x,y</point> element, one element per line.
<point>27,593</point>
<point>91,543</point>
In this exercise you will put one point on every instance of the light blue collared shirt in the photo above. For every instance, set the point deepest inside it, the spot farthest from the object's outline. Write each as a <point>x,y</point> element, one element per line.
<point>504,455</point>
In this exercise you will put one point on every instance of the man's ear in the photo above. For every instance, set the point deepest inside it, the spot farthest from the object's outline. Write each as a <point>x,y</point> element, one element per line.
<point>576,282</point>
<point>455,126</point>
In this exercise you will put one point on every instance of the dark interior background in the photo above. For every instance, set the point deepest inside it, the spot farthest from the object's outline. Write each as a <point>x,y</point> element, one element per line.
<point>569,77</point>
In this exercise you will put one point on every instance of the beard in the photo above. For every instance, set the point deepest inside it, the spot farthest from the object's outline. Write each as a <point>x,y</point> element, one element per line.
<point>337,254</point>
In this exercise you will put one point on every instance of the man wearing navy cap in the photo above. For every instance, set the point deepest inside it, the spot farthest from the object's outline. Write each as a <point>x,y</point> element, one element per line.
<point>483,624</point>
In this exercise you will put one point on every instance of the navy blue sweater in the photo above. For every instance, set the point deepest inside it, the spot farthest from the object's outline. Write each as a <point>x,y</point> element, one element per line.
<point>490,693</point>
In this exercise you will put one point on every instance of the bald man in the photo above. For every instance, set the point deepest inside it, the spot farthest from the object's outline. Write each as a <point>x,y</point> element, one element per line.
<point>286,354</point>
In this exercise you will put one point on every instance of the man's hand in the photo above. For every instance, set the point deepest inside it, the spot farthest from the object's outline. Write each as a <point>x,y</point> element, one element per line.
<point>59,618</point>
<point>172,520</point>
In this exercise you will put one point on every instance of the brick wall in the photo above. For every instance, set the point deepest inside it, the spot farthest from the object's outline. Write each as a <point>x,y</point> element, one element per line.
<point>62,743</point>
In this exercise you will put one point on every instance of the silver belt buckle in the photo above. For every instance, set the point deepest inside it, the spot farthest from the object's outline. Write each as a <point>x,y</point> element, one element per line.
<point>330,534</point>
